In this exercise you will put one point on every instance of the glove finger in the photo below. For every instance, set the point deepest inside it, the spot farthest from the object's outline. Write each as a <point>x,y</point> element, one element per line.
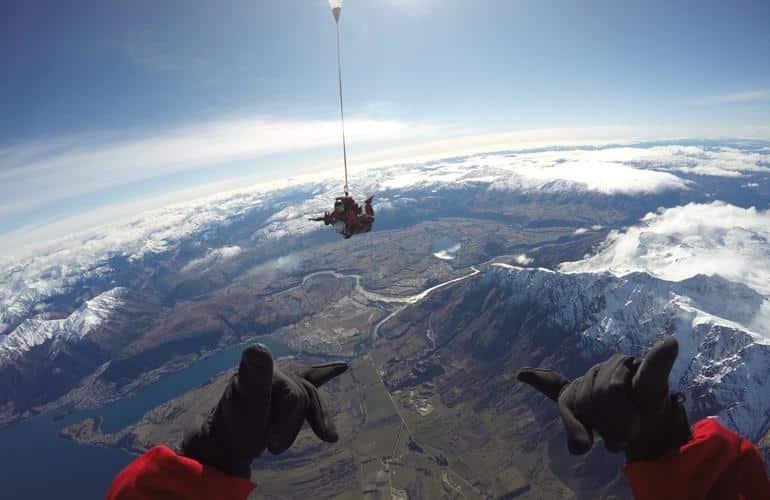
<point>650,383</point>
<point>234,432</point>
<point>319,419</point>
<point>318,375</point>
<point>255,375</point>
<point>609,406</point>
<point>548,382</point>
<point>580,437</point>
<point>251,406</point>
<point>287,412</point>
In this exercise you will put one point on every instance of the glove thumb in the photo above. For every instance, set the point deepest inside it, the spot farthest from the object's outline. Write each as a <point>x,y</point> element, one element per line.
<point>650,382</point>
<point>318,375</point>
<point>548,382</point>
<point>580,437</point>
<point>317,416</point>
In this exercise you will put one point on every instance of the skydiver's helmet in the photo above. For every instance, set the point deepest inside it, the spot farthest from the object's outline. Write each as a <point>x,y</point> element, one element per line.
<point>338,207</point>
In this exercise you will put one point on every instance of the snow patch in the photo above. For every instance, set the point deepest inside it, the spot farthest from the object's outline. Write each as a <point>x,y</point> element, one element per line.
<point>35,331</point>
<point>214,256</point>
<point>721,364</point>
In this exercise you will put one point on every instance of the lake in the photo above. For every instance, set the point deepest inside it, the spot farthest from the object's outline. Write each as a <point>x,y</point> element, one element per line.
<point>37,464</point>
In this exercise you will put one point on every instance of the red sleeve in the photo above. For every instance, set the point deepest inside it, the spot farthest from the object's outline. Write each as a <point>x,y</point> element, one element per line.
<point>749,472</point>
<point>715,463</point>
<point>161,473</point>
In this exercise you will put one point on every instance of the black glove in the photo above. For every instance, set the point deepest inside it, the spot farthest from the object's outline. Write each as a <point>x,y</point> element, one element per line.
<point>261,408</point>
<point>294,400</point>
<point>624,399</point>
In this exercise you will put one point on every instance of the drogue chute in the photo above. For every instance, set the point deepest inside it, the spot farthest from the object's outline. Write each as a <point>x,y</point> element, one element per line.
<point>336,6</point>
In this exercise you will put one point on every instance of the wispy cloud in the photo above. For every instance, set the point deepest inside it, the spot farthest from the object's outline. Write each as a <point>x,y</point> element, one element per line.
<point>35,173</point>
<point>39,178</point>
<point>735,97</point>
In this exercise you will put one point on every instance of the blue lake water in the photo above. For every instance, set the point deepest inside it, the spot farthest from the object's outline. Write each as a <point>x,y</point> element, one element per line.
<point>37,464</point>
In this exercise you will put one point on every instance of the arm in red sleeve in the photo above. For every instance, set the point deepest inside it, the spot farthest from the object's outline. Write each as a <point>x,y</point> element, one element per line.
<point>715,464</point>
<point>161,473</point>
<point>749,473</point>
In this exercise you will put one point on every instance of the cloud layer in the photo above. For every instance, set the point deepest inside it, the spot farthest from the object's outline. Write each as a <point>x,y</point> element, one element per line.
<point>611,170</point>
<point>681,242</point>
<point>34,174</point>
<point>674,243</point>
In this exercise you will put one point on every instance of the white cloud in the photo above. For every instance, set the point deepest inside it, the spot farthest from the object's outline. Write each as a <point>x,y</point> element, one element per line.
<point>282,265</point>
<point>524,260</point>
<point>37,173</point>
<point>593,176</point>
<point>696,160</point>
<point>737,97</point>
<point>549,171</point>
<point>49,171</point>
<point>213,256</point>
<point>47,268</point>
<point>681,242</point>
<point>448,253</point>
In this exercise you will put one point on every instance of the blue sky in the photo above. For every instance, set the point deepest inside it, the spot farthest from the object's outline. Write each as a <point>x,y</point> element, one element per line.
<point>109,100</point>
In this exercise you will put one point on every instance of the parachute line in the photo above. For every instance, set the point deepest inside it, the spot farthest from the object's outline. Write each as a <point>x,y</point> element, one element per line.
<point>342,110</point>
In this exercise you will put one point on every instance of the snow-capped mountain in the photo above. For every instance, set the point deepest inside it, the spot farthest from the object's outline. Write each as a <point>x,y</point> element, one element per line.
<point>699,272</point>
<point>38,330</point>
<point>722,366</point>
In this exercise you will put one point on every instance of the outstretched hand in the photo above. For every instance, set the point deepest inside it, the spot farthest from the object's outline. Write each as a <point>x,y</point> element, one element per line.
<point>262,407</point>
<point>624,399</point>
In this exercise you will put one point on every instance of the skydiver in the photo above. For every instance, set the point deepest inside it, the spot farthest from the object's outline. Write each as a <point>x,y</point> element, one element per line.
<point>348,218</point>
<point>368,207</point>
<point>261,408</point>
<point>626,401</point>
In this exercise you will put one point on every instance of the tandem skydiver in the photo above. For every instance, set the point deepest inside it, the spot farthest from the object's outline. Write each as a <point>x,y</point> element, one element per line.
<point>347,216</point>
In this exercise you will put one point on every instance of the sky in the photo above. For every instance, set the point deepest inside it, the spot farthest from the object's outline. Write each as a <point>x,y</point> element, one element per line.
<point>105,102</point>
